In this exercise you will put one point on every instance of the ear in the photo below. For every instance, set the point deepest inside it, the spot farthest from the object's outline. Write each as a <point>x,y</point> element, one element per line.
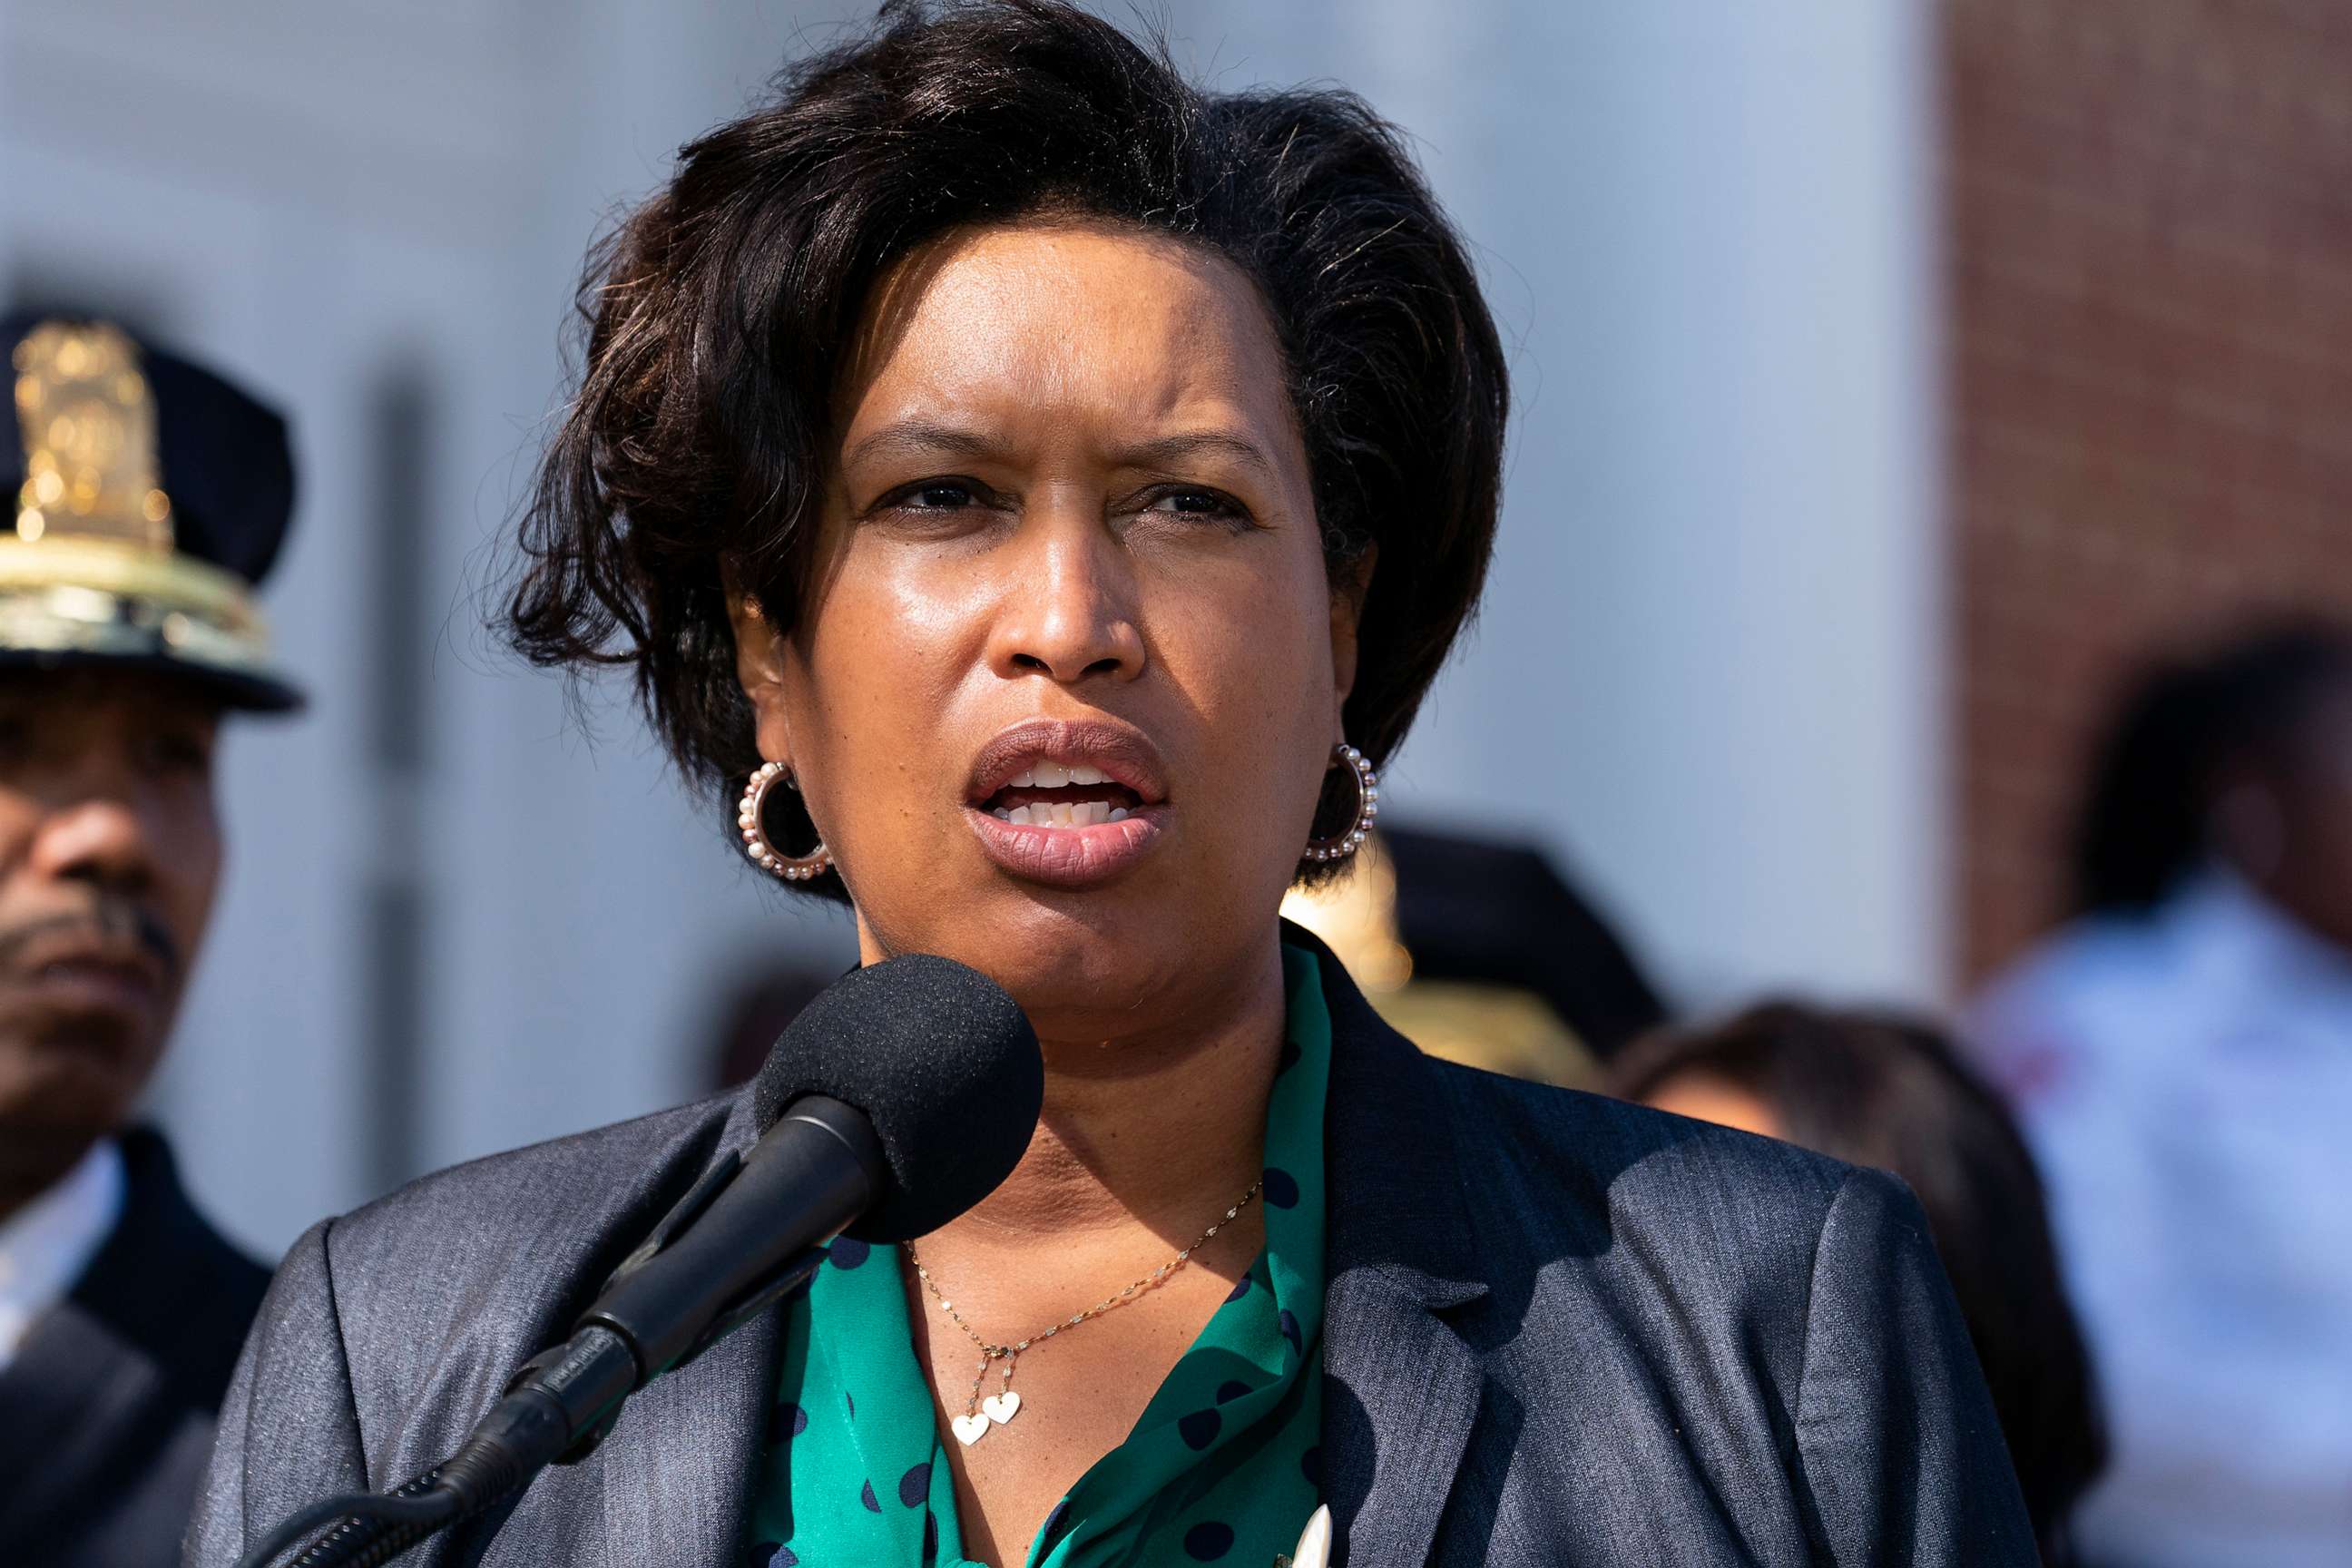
<point>760,669</point>
<point>1348,591</point>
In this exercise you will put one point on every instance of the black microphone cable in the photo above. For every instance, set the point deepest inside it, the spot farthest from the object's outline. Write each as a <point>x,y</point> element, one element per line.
<point>359,1521</point>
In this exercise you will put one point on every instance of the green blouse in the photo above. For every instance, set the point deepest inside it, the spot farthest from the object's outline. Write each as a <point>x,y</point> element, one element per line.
<point>1223,1466</point>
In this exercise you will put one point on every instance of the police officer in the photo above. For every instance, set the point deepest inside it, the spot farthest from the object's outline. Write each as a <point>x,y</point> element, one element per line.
<point>144,497</point>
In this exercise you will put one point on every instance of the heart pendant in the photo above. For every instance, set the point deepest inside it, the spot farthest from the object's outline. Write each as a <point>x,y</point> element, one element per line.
<point>1313,1548</point>
<point>969,1429</point>
<point>1001,1407</point>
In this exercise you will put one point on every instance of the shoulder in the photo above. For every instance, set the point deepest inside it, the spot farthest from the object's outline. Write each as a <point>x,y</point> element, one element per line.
<point>1685,1264</point>
<point>1463,1174</point>
<point>1700,1244</point>
<point>1687,1312</point>
<point>387,1331</point>
<point>411,1311</point>
<point>1570,1163</point>
<point>563,1171</point>
<point>543,1212</point>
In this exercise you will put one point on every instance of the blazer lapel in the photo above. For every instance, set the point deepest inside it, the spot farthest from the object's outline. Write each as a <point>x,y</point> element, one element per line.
<point>104,1409</point>
<point>1400,1396</point>
<point>1401,1385</point>
<point>81,1411</point>
<point>680,1463</point>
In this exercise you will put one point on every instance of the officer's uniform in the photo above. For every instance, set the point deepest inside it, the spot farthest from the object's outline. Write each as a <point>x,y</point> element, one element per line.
<point>143,498</point>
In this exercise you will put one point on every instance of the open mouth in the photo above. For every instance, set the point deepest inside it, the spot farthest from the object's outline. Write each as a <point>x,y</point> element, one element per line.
<point>1070,803</point>
<point>1062,794</point>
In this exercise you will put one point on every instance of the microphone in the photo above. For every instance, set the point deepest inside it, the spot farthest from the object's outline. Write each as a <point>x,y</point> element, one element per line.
<point>900,1096</point>
<point>946,1068</point>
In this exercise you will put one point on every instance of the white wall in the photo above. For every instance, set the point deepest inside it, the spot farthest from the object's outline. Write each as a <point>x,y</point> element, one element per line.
<point>1706,671</point>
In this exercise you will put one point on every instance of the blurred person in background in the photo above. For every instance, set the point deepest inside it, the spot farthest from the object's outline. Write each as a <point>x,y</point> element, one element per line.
<point>1891,1093</point>
<point>2181,1057</point>
<point>146,497</point>
<point>1482,954</point>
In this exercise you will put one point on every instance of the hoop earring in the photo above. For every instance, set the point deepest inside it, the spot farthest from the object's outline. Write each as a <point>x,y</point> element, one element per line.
<point>1368,808</point>
<point>766,855</point>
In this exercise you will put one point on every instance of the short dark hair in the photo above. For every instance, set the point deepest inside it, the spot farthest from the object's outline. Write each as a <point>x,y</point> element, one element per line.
<point>2173,740</point>
<point>717,315</point>
<point>1890,1091</point>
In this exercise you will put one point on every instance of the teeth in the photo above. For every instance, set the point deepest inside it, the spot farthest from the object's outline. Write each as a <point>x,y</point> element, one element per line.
<point>1082,775</point>
<point>1026,779</point>
<point>1061,813</point>
<point>1051,775</point>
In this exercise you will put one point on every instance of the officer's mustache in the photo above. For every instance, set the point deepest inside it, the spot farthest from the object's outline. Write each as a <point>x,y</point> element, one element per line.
<point>110,918</point>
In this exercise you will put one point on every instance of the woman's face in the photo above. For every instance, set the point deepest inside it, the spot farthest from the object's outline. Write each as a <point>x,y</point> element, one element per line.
<point>1070,667</point>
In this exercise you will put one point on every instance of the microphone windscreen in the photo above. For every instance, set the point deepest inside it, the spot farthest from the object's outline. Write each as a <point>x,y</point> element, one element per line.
<point>943,1063</point>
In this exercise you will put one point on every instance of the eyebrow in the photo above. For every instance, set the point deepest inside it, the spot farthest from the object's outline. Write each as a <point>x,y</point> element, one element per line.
<point>1170,449</point>
<point>911,437</point>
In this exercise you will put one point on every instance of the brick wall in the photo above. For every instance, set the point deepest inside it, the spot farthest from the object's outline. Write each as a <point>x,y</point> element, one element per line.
<point>2149,227</point>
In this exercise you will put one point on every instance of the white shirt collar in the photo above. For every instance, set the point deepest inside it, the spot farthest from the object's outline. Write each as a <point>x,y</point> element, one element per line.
<point>46,1245</point>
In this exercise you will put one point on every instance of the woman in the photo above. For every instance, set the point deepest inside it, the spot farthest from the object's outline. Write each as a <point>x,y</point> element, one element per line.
<point>1040,493</point>
<point>1890,1092</point>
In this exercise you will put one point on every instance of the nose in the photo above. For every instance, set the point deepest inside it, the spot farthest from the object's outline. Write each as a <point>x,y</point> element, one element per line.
<point>96,833</point>
<point>1068,610</point>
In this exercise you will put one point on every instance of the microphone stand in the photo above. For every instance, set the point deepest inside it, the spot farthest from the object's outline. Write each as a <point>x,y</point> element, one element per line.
<point>556,1410</point>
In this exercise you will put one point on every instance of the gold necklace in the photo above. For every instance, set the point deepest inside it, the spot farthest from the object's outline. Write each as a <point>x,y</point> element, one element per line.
<point>980,1416</point>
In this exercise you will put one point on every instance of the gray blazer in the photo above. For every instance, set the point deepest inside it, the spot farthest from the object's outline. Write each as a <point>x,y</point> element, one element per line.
<point>1559,1330</point>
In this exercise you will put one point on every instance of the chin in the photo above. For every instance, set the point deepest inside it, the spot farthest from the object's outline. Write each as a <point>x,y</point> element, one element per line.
<point>1079,963</point>
<point>53,1085</point>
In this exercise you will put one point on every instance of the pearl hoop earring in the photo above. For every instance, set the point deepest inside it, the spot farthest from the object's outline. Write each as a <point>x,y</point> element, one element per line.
<point>750,816</point>
<point>1368,808</point>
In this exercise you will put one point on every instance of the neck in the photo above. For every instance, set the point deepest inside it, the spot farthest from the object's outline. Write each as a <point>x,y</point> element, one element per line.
<point>1162,1126</point>
<point>34,1158</point>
